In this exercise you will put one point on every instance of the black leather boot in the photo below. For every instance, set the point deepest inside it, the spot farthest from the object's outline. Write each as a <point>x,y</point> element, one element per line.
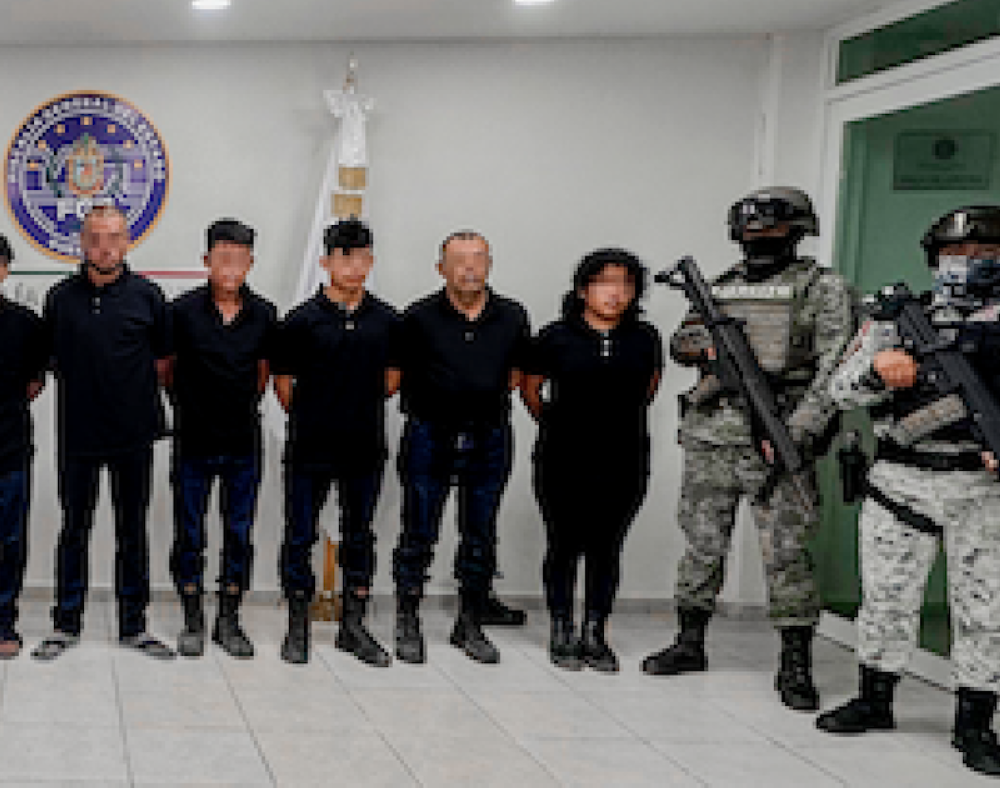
<point>227,632</point>
<point>687,654</point>
<point>354,638</point>
<point>468,634</point>
<point>295,648</point>
<point>409,639</point>
<point>564,646</point>
<point>794,680</point>
<point>497,614</point>
<point>973,734</point>
<point>870,711</point>
<point>191,641</point>
<point>597,654</point>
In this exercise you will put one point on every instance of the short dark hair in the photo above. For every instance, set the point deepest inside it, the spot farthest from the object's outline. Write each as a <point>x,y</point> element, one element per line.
<point>463,235</point>
<point>590,268</point>
<point>6,253</point>
<point>229,231</point>
<point>346,235</point>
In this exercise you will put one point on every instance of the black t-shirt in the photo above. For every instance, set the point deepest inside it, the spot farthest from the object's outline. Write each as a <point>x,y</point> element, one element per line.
<point>598,396</point>
<point>216,393</point>
<point>338,359</point>
<point>456,371</point>
<point>23,357</point>
<point>105,342</point>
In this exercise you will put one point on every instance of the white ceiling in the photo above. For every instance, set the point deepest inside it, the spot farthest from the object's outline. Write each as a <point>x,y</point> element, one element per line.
<point>125,21</point>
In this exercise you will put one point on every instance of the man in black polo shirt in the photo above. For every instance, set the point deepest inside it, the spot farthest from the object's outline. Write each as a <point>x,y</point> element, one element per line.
<point>109,334</point>
<point>333,373</point>
<point>22,364</point>
<point>460,354</point>
<point>221,341</point>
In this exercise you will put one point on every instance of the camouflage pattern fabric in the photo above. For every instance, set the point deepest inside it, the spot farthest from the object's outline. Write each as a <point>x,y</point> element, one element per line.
<point>720,463</point>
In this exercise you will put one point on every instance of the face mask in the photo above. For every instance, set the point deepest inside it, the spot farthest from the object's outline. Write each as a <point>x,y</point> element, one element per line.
<point>768,250</point>
<point>961,279</point>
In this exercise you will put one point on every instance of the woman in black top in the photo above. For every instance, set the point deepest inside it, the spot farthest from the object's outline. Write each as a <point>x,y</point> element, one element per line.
<point>591,378</point>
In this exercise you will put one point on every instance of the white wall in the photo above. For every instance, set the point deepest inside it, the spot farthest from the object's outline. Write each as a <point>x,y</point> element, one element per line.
<point>550,148</point>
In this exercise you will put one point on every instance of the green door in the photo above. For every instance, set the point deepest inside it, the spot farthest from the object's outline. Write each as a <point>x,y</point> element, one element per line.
<point>900,172</point>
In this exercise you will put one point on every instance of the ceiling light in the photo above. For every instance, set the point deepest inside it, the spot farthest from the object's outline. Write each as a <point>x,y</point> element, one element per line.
<point>533,2</point>
<point>210,5</point>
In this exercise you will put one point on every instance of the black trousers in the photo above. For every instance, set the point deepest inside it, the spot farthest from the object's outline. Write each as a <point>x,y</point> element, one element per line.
<point>588,507</point>
<point>130,491</point>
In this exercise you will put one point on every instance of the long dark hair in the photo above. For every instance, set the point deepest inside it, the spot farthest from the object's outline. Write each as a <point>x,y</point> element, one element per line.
<point>592,266</point>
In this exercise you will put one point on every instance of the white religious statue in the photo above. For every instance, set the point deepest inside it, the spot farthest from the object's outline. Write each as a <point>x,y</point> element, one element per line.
<point>353,109</point>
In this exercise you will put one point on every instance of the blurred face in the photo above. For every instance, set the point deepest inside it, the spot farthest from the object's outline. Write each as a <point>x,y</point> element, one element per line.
<point>465,266</point>
<point>228,265</point>
<point>4,269</point>
<point>104,240</point>
<point>609,294</point>
<point>349,270</point>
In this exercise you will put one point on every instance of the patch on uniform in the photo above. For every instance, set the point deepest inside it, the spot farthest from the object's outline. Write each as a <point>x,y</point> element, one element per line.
<point>743,292</point>
<point>78,151</point>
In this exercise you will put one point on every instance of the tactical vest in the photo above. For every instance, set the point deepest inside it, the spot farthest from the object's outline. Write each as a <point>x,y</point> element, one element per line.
<point>773,317</point>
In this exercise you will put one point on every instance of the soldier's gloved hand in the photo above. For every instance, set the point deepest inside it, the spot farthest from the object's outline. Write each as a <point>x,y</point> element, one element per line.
<point>897,368</point>
<point>990,461</point>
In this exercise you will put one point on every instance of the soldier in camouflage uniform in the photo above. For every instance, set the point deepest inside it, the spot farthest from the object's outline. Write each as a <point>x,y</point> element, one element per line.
<point>931,483</point>
<point>797,317</point>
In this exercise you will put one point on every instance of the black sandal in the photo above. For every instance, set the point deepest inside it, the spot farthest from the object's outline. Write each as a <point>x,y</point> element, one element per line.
<point>54,645</point>
<point>148,645</point>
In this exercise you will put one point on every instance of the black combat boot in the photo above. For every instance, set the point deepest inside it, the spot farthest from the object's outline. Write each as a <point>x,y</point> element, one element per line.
<point>468,634</point>
<point>191,641</point>
<point>794,679</point>
<point>295,648</point>
<point>354,638</point>
<point>497,614</point>
<point>564,646</point>
<point>870,711</point>
<point>973,734</point>
<point>227,632</point>
<point>687,654</point>
<point>409,639</point>
<point>597,654</point>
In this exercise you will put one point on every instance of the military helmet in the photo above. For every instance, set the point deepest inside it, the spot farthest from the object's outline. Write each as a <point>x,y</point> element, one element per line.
<point>977,223</point>
<point>772,206</point>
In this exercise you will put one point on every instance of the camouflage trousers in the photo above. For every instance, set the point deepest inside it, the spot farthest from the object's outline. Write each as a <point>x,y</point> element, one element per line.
<point>896,559</point>
<point>715,479</point>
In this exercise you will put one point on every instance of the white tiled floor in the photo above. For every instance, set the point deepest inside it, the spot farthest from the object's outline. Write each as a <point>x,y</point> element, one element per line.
<point>103,716</point>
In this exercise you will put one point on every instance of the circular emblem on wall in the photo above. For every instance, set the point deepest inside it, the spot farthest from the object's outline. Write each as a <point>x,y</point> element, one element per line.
<point>77,151</point>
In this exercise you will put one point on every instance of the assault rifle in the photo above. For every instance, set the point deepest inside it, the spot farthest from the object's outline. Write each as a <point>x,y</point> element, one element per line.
<point>739,372</point>
<point>943,363</point>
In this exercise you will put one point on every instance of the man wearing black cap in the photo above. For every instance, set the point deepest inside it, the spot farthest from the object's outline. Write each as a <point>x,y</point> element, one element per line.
<point>22,364</point>
<point>461,351</point>
<point>109,334</point>
<point>222,333</point>
<point>333,373</point>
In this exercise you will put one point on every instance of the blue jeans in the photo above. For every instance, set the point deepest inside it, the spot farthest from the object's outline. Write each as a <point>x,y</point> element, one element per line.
<point>431,460</point>
<point>306,491</point>
<point>14,498</point>
<point>130,490</point>
<point>192,479</point>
